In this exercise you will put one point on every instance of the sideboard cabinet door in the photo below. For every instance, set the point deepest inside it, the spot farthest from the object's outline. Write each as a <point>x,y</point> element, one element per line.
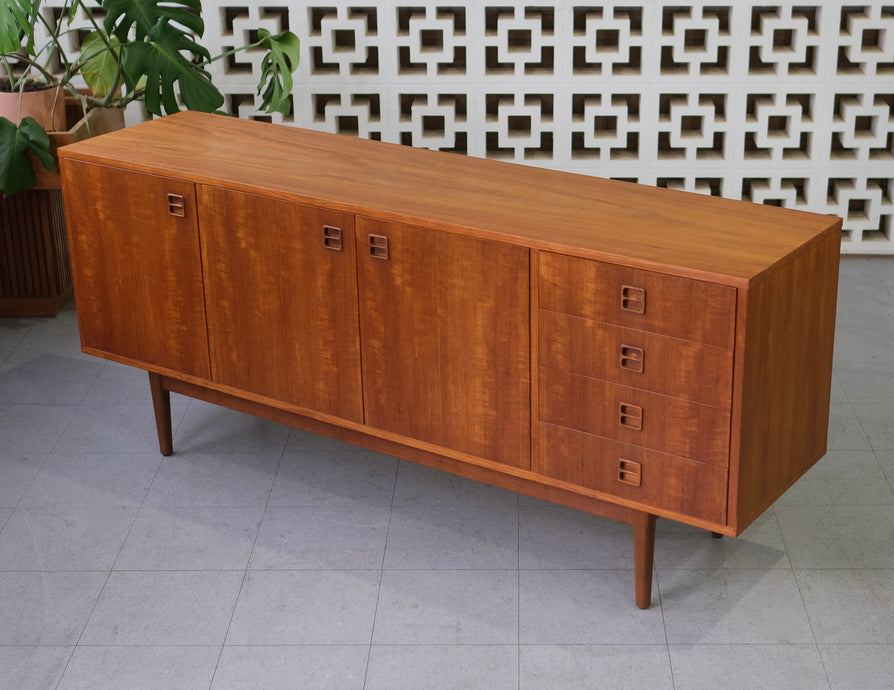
<point>281,280</point>
<point>445,332</point>
<point>137,267</point>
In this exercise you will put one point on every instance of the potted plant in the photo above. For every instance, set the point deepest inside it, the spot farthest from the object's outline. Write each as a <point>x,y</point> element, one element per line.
<point>133,50</point>
<point>146,50</point>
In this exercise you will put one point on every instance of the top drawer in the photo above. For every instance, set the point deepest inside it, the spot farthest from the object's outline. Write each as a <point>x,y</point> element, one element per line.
<point>644,300</point>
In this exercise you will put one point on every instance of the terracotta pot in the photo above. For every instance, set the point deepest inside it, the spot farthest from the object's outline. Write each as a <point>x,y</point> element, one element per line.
<point>47,106</point>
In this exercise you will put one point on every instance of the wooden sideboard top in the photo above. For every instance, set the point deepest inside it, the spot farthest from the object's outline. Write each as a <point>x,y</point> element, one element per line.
<point>732,242</point>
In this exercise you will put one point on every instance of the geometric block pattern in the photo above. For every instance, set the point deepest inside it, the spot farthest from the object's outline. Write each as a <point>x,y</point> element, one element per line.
<point>788,103</point>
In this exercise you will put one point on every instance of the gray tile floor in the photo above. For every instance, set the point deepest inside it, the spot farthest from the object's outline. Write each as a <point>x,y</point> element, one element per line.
<point>263,557</point>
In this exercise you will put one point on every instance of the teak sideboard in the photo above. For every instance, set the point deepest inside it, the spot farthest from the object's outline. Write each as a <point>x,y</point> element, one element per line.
<point>625,350</point>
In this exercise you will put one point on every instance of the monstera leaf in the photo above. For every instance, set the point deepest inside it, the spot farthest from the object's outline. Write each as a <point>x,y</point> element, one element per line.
<point>16,23</point>
<point>276,70</point>
<point>160,60</point>
<point>99,60</point>
<point>144,15</point>
<point>15,142</point>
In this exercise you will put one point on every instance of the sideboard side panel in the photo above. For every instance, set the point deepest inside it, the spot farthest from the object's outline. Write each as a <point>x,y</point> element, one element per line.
<point>786,377</point>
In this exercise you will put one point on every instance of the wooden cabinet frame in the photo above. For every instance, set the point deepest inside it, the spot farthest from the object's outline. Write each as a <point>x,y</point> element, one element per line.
<point>627,351</point>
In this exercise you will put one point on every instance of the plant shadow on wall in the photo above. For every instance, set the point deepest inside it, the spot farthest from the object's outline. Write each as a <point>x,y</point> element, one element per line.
<point>135,50</point>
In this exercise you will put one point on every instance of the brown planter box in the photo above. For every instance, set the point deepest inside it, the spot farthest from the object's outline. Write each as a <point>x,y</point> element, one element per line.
<point>35,273</point>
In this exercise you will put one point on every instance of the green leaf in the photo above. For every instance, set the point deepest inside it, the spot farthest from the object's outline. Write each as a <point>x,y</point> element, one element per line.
<point>99,58</point>
<point>144,15</point>
<point>15,142</point>
<point>162,63</point>
<point>16,24</point>
<point>277,68</point>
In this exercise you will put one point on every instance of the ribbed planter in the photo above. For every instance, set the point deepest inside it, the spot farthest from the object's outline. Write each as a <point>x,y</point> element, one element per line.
<point>47,106</point>
<point>35,273</point>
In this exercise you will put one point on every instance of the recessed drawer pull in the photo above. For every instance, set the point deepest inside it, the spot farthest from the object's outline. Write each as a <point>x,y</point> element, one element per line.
<point>630,472</point>
<point>630,416</point>
<point>176,205</point>
<point>378,247</point>
<point>332,238</point>
<point>632,358</point>
<point>633,299</point>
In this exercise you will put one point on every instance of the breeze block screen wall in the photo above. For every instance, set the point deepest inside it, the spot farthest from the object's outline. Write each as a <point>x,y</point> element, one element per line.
<point>784,103</point>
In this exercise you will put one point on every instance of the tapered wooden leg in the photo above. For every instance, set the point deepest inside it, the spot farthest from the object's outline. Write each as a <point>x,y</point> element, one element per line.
<point>643,557</point>
<point>161,403</point>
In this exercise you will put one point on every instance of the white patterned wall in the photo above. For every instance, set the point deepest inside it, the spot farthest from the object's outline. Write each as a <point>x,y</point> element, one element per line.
<point>789,103</point>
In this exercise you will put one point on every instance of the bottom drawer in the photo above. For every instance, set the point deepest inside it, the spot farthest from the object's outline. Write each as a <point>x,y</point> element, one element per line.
<point>650,478</point>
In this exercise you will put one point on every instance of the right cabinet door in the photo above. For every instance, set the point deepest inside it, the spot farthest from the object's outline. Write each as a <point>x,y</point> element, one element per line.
<point>281,282</point>
<point>445,339</point>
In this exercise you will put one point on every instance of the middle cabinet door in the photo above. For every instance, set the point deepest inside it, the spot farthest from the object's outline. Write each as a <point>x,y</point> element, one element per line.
<point>281,296</point>
<point>446,339</point>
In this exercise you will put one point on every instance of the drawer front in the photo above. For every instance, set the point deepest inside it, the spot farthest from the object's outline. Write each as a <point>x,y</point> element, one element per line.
<point>662,423</point>
<point>653,479</point>
<point>643,300</point>
<point>670,366</point>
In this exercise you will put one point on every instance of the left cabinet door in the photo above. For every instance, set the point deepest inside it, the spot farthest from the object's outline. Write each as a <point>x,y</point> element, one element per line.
<point>137,267</point>
<point>281,280</point>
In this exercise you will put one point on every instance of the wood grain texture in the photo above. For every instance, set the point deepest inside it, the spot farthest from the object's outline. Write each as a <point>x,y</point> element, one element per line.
<point>687,234</point>
<point>784,368</point>
<point>137,268</point>
<point>669,425</point>
<point>643,557</point>
<point>444,326</point>
<point>670,366</point>
<point>282,307</point>
<point>161,406</point>
<point>669,484</point>
<point>595,290</point>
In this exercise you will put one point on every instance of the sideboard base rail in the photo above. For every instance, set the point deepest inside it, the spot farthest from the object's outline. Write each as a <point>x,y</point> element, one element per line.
<point>643,523</point>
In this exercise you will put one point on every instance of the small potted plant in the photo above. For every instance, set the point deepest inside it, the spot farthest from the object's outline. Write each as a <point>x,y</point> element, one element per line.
<point>136,50</point>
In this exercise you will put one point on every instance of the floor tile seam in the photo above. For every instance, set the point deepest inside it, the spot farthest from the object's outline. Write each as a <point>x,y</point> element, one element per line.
<point>806,645</point>
<point>518,592</point>
<point>52,571</point>
<point>152,645</point>
<point>247,569</point>
<point>889,477</point>
<point>12,511</point>
<point>810,623</point>
<point>138,513</point>
<point>92,383</point>
<point>878,277</point>
<point>22,495</point>
<point>375,613</point>
<point>845,569</point>
<point>822,661</point>
<point>42,404</point>
<point>724,569</point>
<point>785,545</point>
<point>876,504</point>
<point>87,619</point>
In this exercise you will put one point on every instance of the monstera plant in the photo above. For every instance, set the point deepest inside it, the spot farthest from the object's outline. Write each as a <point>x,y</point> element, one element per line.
<point>147,50</point>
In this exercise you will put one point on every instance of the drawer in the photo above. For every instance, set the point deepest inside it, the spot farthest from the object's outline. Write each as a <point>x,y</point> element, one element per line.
<point>670,366</point>
<point>652,479</point>
<point>644,300</point>
<point>660,422</point>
